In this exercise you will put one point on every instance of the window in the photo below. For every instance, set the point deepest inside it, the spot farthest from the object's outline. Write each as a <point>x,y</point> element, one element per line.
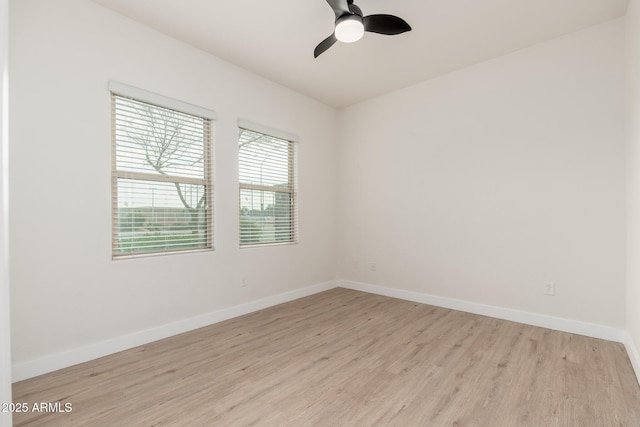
<point>267,188</point>
<point>161,174</point>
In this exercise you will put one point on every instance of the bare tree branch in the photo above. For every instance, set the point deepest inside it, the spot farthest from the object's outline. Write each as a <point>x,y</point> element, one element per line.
<point>167,144</point>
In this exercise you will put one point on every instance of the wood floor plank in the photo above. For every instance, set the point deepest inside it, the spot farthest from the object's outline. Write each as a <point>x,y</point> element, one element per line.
<point>347,358</point>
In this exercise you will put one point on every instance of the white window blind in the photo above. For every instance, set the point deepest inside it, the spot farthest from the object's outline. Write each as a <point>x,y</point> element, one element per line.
<point>267,167</point>
<point>161,179</point>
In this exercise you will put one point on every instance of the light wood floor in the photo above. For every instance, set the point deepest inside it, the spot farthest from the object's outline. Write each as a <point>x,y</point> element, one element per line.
<point>346,358</point>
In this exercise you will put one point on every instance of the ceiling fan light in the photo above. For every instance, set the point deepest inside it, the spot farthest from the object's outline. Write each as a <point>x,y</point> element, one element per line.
<point>350,29</point>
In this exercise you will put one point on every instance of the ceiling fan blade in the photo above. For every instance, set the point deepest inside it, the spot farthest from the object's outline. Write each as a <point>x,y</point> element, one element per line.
<point>354,9</point>
<point>385,24</point>
<point>340,7</point>
<point>324,45</point>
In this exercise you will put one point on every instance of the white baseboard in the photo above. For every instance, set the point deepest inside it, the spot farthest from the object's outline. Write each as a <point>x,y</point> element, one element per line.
<point>534,319</point>
<point>29,369</point>
<point>634,354</point>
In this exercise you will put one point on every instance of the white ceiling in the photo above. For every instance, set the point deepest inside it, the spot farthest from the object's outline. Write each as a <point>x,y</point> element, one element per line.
<point>275,39</point>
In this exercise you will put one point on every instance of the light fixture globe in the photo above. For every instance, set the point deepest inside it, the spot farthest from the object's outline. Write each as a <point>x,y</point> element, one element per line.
<point>349,29</point>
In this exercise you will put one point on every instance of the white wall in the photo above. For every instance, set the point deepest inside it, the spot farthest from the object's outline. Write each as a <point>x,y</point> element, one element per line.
<point>633,182</point>
<point>5,331</point>
<point>66,291</point>
<point>479,185</point>
<point>485,183</point>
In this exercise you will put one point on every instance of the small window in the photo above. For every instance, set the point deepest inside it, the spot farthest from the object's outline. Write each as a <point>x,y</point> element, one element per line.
<point>161,175</point>
<point>267,166</point>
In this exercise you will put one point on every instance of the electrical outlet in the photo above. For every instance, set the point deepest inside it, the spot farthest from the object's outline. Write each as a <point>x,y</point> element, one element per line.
<point>244,281</point>
<point>549,288</point>
<point>373,266</point>
<point>355,265</point>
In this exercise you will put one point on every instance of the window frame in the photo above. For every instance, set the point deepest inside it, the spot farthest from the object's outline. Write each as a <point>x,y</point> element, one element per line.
<point>291,189</point>
<point>121,90</point>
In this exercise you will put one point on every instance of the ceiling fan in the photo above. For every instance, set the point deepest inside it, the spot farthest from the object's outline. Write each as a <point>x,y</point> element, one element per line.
<point>351,25</point>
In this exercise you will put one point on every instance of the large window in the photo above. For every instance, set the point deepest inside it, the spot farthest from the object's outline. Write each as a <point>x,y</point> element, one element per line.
<point>267,188</point>
<point>161,174</point>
